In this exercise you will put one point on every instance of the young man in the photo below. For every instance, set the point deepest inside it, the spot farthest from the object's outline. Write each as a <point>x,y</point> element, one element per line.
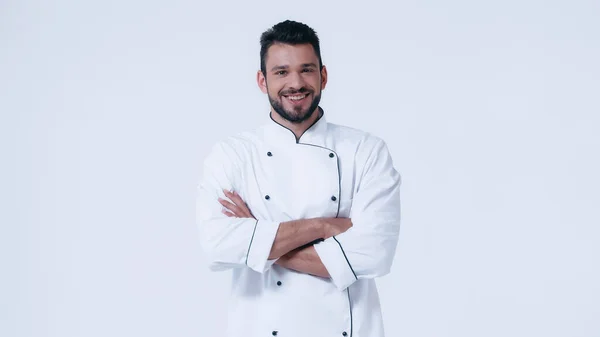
<point>304,213</point>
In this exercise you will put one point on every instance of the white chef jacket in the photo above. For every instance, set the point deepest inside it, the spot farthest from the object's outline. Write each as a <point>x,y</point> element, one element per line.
<point>330,171</point>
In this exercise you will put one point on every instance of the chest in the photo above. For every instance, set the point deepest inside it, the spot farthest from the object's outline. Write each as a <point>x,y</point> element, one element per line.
<point>299,181</point>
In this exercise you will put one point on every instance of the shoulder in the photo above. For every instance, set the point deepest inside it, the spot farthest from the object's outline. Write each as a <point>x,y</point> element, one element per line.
<point>361,139</point>
<point>369,152</point>
<point>235,147</point>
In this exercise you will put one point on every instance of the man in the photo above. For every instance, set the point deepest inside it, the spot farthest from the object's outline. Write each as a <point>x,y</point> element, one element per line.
<point>304,213</point>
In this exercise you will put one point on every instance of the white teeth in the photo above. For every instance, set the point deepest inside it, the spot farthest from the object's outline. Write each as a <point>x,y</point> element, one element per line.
<point>297,98</point>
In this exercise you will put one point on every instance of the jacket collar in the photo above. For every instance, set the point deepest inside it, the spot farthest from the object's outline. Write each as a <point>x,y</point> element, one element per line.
<point>314,135</point>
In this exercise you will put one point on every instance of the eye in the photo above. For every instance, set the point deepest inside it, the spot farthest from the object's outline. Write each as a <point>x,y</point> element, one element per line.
<point>308,70</point>
<point>281,72</point>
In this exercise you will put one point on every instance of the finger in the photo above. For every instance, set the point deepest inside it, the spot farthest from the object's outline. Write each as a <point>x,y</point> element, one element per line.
<point>231,207</point>
<point>242,206</point>
<point>230,213</point>
<point>227,203</point>
<point>235,198</point>
<point>237,201</point>
<point>229,194</point>
<point>227,213</point>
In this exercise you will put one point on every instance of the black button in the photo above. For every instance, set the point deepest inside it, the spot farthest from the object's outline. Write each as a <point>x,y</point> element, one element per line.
<point>267,197</point>
<point>274,333</point>
<point>344,333</point>
<point>278,283</point>
<point>331,155</point>
<point>333,198</point>
<point>269,154</point>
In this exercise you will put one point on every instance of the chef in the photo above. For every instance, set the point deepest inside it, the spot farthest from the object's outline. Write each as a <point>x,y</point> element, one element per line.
<point>304,213</point>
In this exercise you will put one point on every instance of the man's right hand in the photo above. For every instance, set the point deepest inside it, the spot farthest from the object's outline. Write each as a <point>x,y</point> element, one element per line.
<point>297,233</point>
<point>335,226</point>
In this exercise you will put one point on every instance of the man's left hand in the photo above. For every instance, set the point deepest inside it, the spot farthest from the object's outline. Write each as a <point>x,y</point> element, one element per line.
<point>237,208</point>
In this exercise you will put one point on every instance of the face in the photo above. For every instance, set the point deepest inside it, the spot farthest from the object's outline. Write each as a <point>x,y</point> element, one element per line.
<point>293,81</point>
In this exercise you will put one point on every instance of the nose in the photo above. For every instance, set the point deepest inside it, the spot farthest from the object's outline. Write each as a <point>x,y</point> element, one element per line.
<point>295,81</point>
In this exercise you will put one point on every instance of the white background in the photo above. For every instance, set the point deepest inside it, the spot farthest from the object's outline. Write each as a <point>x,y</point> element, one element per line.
<point>490,109</point>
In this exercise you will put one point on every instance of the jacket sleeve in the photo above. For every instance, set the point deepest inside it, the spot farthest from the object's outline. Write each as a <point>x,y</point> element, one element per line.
<point>229,242</point>
<point>368,248</point>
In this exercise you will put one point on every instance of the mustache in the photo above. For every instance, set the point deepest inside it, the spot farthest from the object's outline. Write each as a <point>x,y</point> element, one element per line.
<point>295,91</point>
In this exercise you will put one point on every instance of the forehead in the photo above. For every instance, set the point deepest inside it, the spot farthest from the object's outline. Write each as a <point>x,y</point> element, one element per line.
<point>291,55</point>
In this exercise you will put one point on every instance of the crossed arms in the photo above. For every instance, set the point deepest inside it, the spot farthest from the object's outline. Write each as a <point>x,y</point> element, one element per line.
<point>346,249</point>
<point>292,246</point>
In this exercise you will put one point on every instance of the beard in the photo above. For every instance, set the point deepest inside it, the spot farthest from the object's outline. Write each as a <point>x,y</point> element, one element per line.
<point>295,115</point>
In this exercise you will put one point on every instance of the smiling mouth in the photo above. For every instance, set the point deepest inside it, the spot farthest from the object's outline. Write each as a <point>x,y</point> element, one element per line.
<point>295,99</point>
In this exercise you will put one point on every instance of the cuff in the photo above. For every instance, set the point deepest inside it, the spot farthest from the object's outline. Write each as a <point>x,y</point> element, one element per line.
<point>334,259</point>
<point>260,245</point>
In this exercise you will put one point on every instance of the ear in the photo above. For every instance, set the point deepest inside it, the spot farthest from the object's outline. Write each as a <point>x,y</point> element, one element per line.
<point>323,77</point>
<point>261,81</point>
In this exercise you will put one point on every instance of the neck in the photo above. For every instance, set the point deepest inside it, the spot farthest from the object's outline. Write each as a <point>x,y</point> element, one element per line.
<point>297,128</point>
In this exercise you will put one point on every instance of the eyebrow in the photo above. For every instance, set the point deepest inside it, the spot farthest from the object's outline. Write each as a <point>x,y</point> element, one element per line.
<point>305,65</point>
<point>279,68</point>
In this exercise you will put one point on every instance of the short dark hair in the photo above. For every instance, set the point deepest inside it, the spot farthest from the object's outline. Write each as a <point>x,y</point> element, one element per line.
<point>288,32</point>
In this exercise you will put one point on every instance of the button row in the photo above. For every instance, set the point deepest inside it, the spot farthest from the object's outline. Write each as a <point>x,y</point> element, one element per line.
<point>333,197</point>
<point>274,333</point>
<point>270,154</point>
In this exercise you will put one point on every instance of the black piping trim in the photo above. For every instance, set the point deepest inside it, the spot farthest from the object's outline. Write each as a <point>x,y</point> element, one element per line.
<point>343,252</point>
<point>339,196</point>
<point>251,239</point>
<point>350,306</point>
<point>337,162</point>
<point>321,113</point>
<point>339,202</point>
